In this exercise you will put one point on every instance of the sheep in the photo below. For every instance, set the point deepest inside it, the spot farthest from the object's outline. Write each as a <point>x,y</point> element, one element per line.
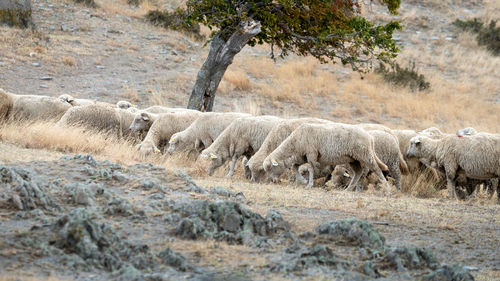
<point>275,137</point>
<point>36,108</point>
<point>432,132</point>
<point>387,150</point>
<point>84,102</point>
<point>203,131</point>
<point>101,118</point>
<point>478,156</point>
<point>371,127</point>
<point>6,105</point>
<point>123,104</point>
<point>469,131</point>
<point>326,144</point>
<point>164,127</point>
<point>143,119</point>
<point>244,136</point>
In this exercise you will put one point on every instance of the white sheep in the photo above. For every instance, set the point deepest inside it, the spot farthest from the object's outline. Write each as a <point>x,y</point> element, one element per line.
<point>164,127</point>
<point>321,145</point>
<point>123,104</point>
<point>275,137</point>
<point>144,119</point>
<point>33,107</point>
<point>202,132</point>
<point>478,156</point>
<point>432,132</point>
<point>157,109</point>
<point>387,150</point>
<point>469,131</point>
<point>243,137</point>
<point>115,121</point>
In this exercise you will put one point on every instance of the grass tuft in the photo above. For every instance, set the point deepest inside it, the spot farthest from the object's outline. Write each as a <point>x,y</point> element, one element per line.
<point>404,77</point>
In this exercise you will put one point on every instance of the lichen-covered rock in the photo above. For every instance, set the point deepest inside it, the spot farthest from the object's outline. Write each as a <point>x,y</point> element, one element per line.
<point>174,259</point>
<point>225,220</point>
<point>224,192</point>
<point>16,13</point>
<point>191,185</point>
<point>410,258</point>
<point>454,272</point>
<point>19,190</point>
<point>120,206</point>
<point>302,258</point>
<point>353,231</point>
<point>80,194</point>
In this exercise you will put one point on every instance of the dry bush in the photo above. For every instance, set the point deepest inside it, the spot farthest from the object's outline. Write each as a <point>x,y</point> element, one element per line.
<point>46,135</point>
<point>68,60</point>
<point>422,184</point>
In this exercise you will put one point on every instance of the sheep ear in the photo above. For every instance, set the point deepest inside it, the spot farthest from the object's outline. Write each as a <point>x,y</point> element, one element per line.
<point>213,156</point>
<point>346,174</point>
<point>145,117</point>
<point>274,162</point>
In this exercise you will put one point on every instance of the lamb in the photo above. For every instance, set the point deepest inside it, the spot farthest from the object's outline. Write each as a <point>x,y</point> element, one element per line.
<point>321,145</point>
<point>202,132</point>
<point>244,136</point>
<point>387,150</point>
<point>477,156</point>
<point>164,127</point>
<point>6,105</point>
<point>115,121</point>
<point>275,137</point>
<point>35,108</point>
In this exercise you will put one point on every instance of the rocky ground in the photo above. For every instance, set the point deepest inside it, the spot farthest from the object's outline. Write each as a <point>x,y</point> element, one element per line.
<point>82,219</point>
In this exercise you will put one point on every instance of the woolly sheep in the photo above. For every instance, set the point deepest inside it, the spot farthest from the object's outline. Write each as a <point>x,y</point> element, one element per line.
<point>275,137</point>
<point>143,119</point>
<point>478,156</point>
<point>164,127</point>
<point>432,132</point>
<point>157,109</point>
<point>243,136</point>
<point>323,145</point>
<point>203,131</point>
<point>82,102</point>
<point>371,127</point>
<point>6,105</point>
<point>387,150</point>
<point>123,104</point>
<point>101,118</point>
<point>469,131</point>
<point>33,107</point>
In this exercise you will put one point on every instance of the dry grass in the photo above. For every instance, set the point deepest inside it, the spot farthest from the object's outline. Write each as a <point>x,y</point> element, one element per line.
<point>69,61</point>
<point>25,276</point>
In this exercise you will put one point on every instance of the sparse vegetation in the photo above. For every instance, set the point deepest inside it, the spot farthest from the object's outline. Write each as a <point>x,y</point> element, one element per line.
<point>404,77</point>
<point>486,35</point>
<point>88,3</point>
<point>174,20</point>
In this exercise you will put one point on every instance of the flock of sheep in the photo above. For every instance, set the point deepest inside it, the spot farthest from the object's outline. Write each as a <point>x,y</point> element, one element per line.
<point>311,148</point>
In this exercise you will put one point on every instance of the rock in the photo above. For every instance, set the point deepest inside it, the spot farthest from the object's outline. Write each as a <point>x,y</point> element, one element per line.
<point>353,231</point>
<point>226,220</point>
<point>119,206</point>
<point>16,13</point>
<point>35,64</point>
<point>449,273</point>
<point>46,78</point>
<point>18,188</point>
<point>174,259</point>
<point>405,258</point>
<point>43,86</point>
<point>80,194</point>
<point>100,66</point>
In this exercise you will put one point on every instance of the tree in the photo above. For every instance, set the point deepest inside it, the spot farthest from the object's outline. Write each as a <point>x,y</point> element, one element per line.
<point>329,30</point>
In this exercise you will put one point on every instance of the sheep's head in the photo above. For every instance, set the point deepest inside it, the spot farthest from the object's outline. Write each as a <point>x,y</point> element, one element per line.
<point>124,104</point>
<point>66,98</point>
<point>215,160</point>
<point>176,143</point>
<point>142,122</point>
<point>416,147</point>
<point>469,131</point>
<point>274,168</point>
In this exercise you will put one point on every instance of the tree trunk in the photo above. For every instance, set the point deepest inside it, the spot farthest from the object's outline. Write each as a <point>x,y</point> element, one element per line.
<point>16,13</point>
<point>219,58</point>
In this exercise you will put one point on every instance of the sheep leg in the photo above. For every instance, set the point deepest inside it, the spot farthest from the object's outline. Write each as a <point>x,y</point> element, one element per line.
<point>298,176</point>
<point>233,164</point>
<point>310,170</point>
<point>357,170</point>
<point>450,183</point>
<point>395,172</point>
<point>328,176</point>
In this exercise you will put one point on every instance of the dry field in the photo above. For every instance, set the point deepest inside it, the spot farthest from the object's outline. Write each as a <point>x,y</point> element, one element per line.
<point>110,54</point>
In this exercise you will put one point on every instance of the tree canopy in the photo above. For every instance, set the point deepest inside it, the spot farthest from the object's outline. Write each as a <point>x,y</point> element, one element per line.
<point>329,30</point>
